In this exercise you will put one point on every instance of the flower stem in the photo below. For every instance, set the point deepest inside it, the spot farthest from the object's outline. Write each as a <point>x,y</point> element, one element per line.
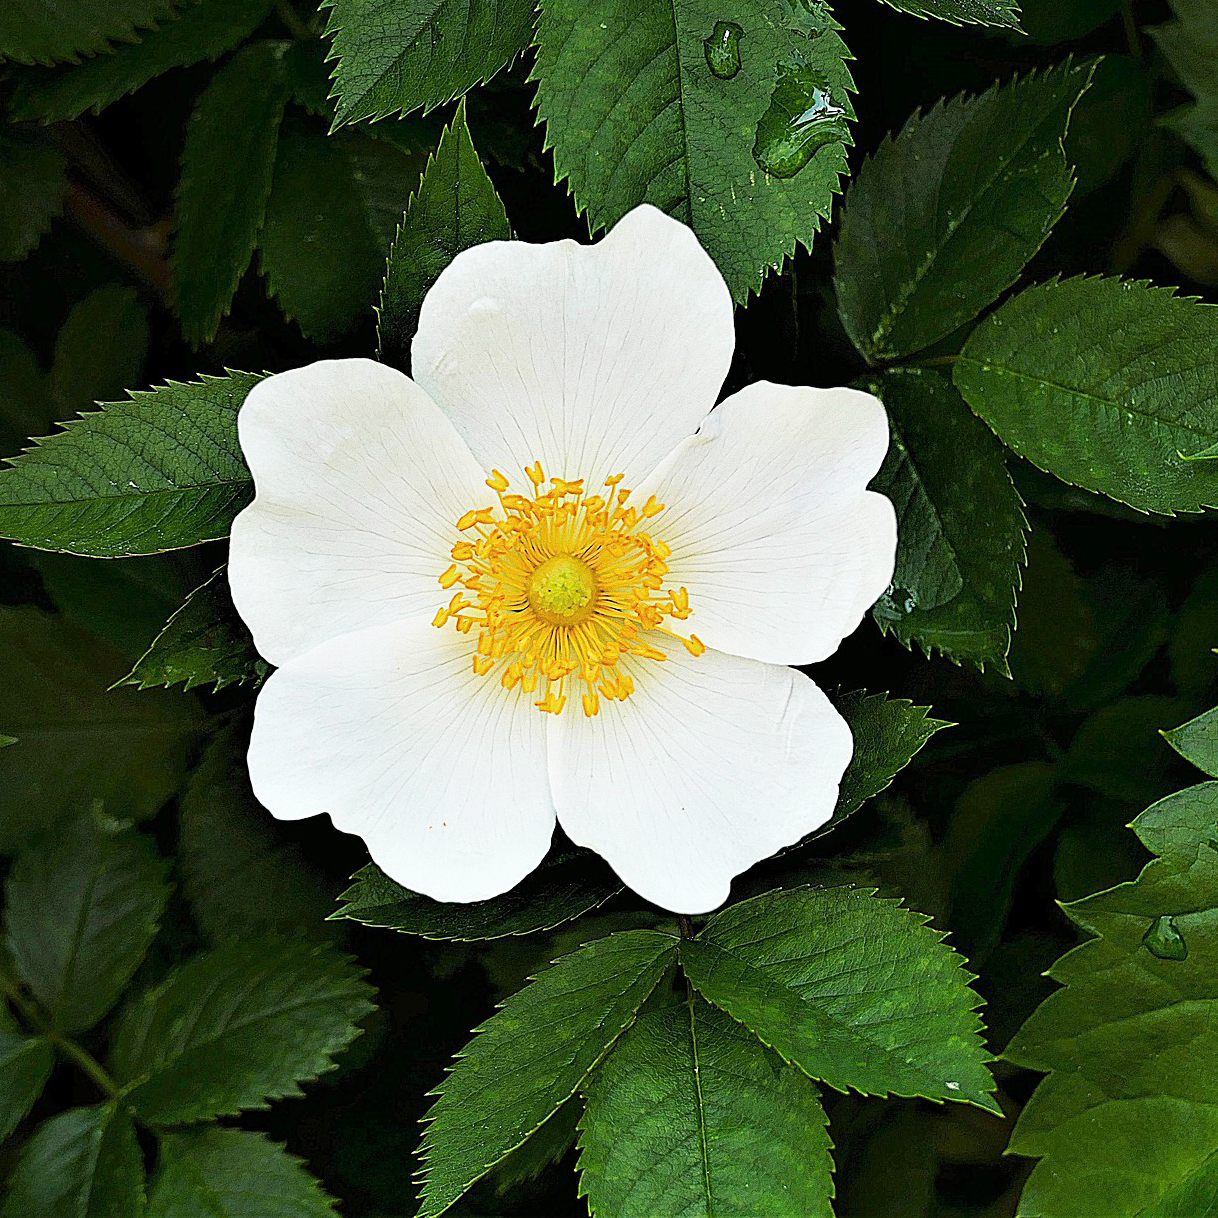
<point>68,1048</point>
<point>686,926</point>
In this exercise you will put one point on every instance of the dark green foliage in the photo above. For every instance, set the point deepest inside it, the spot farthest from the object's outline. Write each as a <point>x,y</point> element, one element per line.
<point>85,1163</point>
<point>454,207</point>
<point>387,52</point>
<point>888,734</point>
<point>560,890</point>
<point>944,216</point>
<point>1138,998</point>
<point>203,643</point>
<point>188,186</point>
<point>1108,384</point>
<point>201,29</point>
<point>236,1027</point>
<point>222,198</point>
<point>691,1115</point>
<point>960,550</point>
<point>80,910</point>
<point>31,191</point>
<point>43,31</point>
<point>215,1172</point>
<point>157,472</point>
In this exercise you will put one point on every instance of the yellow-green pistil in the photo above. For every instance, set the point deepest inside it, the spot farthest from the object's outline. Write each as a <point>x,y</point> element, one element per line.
<point>562,589</point>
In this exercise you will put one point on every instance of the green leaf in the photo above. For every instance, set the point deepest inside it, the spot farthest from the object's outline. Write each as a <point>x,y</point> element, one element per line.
<point>1129,1042</point>
<point>1197,741</point>
<point>402,55</point>
<point>545,1147</point>
<point>635,114</point>
<point>82,907</point>
<point>559,891</point>
<point>693,1116</point>
<point>203,29</point>
<point>888,733</point>
<point>5,741</point>
<point>232,855</point>
<point>855,990</point>
<point>945,215</point>
<point>25,1066</point>
<point>79,747</point>
<point>45,31</point>
<point>1103,383</point>
<point>963,12</point>
<point>100,349</point>
<point>532,1055</point>
<point>203,643</point>
<point>454,207</point>
<point>159,471</point>
<point>1111,118</point>
<point>1190,46</point>
<point>23,392</point>
<point>31,189</point>
<point>320,250</point>
<point>236,1027</point>
<point>957,508</point>
<point>84,1163</point>
<point>1118,752</point>
<point>215,1172</point>
<point>225,183</point>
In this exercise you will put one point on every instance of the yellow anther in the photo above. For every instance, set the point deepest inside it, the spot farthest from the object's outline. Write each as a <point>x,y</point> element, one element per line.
<point>561,587</point>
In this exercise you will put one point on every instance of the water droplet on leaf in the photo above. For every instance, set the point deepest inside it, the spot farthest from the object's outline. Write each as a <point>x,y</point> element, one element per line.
<point>723,49</point>
<point>810,17</point>
<point>802,118</point>
<point>1163,939</point>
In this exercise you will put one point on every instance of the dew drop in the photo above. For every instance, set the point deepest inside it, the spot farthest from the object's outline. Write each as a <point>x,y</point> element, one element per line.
<point>723,49</point>
<point>810,17</point>
<point>896,603</point>
<point>802,118</point>
<point>1163,939</point>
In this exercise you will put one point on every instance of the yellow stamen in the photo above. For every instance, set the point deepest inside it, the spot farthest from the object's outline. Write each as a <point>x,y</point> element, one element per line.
<point>562,587</point>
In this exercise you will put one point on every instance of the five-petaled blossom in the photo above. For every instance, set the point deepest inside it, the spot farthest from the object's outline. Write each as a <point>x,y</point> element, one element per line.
<point>545,579</point>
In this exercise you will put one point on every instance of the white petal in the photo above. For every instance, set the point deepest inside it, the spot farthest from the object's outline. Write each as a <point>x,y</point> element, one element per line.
<point>359,482</point>
<point>595,360</point>
<point>712,764</point>
<point>772,529</point>
<point>442,773</point>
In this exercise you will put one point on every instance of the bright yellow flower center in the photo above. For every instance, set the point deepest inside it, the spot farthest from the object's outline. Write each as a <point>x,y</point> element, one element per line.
<point>560,586</point>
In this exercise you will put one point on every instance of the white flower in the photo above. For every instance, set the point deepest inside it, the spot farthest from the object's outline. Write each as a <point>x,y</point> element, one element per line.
<point>477,631</point>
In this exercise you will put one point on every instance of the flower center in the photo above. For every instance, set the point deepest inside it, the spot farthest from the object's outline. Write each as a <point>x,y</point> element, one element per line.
<point>561,590</point>
<point>561,586</point>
